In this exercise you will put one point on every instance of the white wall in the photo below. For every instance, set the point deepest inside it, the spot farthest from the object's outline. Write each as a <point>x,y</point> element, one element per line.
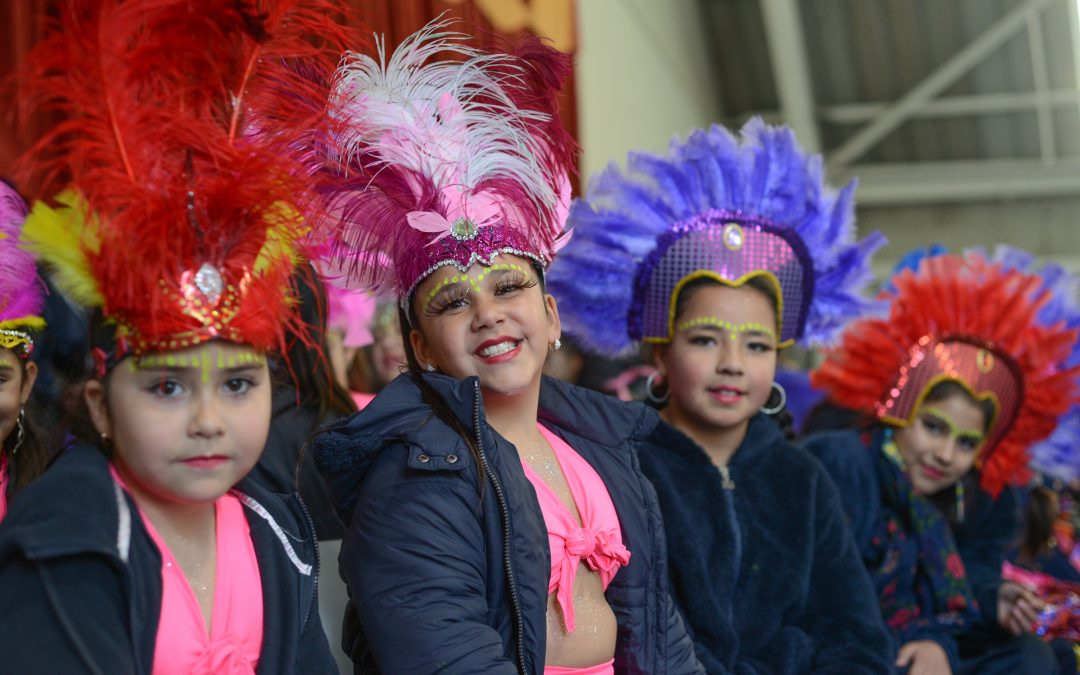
<point>643,75</point>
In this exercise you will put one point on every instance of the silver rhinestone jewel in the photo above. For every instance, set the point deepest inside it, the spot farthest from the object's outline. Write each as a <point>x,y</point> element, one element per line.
<point>209,282</point>
<point>463,229</point>
<point>733,236</point>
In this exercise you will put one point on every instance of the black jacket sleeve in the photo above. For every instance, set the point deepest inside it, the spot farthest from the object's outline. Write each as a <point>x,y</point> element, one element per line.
<point>70,617</point>
<point>413,560</point>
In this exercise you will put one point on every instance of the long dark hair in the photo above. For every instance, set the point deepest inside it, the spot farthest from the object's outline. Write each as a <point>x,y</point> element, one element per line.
<point>308,361</point>
<point>782,417</point>
<point>1039,516</point>
<point>28,452</point>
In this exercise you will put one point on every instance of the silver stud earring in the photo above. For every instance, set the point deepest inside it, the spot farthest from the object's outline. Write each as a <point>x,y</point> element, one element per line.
<point>430,368</point>
<point>557,345</point>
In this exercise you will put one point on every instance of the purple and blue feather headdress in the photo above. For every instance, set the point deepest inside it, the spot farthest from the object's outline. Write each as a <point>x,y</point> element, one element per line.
<point>22,294</point>
<point>719,207</point>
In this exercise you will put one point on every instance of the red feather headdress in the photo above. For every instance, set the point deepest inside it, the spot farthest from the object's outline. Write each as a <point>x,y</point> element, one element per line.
<point>969,321</point>
<point>177,183</point>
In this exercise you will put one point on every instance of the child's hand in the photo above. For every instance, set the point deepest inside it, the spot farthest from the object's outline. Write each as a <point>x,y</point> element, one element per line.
<point>923,657</point>
<point>1018,608</point>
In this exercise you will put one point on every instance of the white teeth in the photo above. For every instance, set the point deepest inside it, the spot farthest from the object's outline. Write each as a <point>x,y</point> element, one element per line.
<point>495,350</point>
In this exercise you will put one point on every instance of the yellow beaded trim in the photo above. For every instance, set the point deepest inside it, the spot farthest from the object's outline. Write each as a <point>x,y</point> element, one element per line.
<point>735,330</point>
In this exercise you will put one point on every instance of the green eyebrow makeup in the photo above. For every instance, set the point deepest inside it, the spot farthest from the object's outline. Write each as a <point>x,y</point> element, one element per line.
<point>978,435</point>
<point>204,362</point>
<point>733,330</point>
<point>474,282</point>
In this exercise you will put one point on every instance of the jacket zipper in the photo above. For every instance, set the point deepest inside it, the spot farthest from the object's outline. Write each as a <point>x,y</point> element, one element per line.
<point>504,514</point>
<point>318,562</point>
<point>725,476</point>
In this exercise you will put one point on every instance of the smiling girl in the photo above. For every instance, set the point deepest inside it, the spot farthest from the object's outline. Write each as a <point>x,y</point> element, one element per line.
<point>144,549</point>
<point>958,382</point>
<point>718,255</point>
<point>496,520</point>
<point>23,457</point>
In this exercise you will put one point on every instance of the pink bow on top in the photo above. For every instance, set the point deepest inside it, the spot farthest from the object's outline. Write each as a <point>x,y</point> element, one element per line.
<point>482,208</point>
<point>602,551</point>
<point>598,542</point>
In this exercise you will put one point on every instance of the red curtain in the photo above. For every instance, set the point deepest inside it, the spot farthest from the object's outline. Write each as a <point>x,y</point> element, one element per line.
<point>24,21</point>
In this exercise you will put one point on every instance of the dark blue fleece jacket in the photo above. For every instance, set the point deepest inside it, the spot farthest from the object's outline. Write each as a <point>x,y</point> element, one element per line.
<point>447,563</point>
<point>763,566</point>
<point>79,565</point>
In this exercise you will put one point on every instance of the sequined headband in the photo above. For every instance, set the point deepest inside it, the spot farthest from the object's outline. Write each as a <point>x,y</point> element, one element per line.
<point>732,248</point>
<point>17,340</point>
<point>985,373</point>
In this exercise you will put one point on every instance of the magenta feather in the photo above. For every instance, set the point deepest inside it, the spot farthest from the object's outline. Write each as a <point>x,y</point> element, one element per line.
<point>21,293</point>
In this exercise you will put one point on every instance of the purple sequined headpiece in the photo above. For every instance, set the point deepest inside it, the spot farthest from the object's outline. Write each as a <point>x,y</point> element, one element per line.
<point>731,248</point>
<point>718,207</point>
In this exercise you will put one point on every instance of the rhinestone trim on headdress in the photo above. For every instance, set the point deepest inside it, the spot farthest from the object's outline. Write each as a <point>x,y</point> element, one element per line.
<point>17,340</point>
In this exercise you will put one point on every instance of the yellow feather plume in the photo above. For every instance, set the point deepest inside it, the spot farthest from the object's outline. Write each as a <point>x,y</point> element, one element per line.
<point>62,238</point>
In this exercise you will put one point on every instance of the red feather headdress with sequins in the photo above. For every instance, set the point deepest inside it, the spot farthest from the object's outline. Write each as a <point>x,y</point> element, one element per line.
<point>972,322</point>
<point>177,189</point>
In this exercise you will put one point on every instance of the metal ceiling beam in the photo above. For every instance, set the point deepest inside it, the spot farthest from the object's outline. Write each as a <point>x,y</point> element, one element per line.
<point>954,106</point>
<point>791,70</point>
<point>939,182</point>
<point>933,84</point>
<point>1041,74</point>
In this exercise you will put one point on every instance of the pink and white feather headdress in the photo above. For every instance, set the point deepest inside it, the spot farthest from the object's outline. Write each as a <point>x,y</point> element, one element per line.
<point>446,162</point>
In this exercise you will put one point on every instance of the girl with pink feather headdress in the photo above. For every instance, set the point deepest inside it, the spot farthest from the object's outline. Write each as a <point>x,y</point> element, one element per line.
<point>22,457</point>
<point>497,521</point>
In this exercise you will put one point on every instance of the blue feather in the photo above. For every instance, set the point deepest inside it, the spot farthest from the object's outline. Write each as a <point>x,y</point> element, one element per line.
<point>762,173</point>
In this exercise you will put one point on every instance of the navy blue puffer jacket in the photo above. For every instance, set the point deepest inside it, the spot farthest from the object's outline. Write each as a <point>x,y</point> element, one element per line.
<point>448,571</point>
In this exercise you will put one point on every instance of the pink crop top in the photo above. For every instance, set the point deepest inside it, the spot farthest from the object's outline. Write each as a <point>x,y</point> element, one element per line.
<point>235,638</point>
<point>598,541</point>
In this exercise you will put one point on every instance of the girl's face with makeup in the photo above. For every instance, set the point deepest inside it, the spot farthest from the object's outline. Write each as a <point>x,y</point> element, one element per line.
<point>16,381</point>
<point>720,364</point>
<point>493,322</point>
<point>942,442</point>
<point>185,426</point>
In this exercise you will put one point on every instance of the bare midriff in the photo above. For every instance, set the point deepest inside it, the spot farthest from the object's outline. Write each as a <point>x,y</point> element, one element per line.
<point>593,638</point>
